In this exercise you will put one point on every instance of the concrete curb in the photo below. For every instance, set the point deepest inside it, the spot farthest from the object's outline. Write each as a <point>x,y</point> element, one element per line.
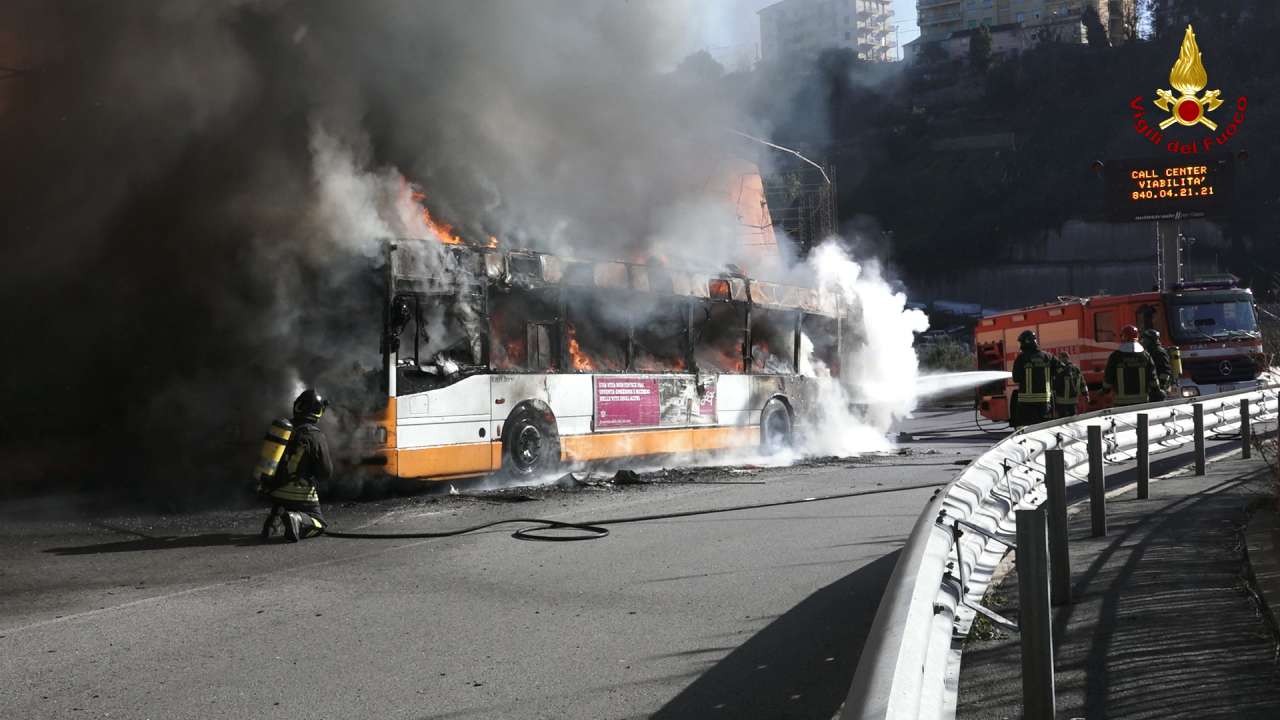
<point>1262,548</point>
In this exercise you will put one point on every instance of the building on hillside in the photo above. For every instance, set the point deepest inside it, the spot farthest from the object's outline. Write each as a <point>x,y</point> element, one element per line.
<point>1006,41</point>
<point>939,19</point>
<point>798,28</point>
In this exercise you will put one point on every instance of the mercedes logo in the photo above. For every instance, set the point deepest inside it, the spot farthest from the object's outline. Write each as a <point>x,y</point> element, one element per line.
<point>1224,367</point>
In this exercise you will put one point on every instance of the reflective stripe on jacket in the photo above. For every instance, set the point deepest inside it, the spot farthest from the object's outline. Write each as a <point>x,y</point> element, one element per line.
<point>1033,372</point>
<point>1131,374</point>
<point>1068,386</point>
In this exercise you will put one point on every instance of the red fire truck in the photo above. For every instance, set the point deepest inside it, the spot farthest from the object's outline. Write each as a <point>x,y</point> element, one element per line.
<point>1212,322</point>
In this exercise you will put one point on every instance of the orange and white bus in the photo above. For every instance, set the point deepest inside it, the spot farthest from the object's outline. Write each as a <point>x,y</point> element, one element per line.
<point>517,361</point>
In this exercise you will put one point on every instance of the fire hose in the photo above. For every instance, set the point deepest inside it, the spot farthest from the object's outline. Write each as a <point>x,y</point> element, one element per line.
<point>596,529</point>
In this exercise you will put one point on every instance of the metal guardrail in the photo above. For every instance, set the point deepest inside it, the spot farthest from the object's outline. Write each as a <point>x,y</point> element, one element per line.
<point>910,664</point>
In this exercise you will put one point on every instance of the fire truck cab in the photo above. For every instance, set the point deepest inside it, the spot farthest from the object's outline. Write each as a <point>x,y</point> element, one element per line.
<point>1212,322</point>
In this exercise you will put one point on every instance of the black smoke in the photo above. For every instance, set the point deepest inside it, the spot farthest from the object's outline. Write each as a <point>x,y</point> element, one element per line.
<point>192,193</point>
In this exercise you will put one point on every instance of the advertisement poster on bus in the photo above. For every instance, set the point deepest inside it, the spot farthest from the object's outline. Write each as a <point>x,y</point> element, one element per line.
<point>626,402</point>
<point>630,402</point>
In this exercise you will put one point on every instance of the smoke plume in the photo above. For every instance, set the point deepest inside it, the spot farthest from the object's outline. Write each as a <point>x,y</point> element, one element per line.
<point>194,192</point>
<point>195,195</point>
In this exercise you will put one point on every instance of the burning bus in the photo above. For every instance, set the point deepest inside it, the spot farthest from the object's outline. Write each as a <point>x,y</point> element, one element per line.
<point>1211,322</point>
<point>519,361</point>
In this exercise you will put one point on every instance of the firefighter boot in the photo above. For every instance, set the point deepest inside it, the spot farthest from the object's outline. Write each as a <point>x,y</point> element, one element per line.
<point>269,526</point>
<point>292,526</point>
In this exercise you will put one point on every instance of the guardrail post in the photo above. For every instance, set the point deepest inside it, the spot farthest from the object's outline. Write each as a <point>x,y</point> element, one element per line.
<point>1097,483</point>
<point>1144,456</point>
<point>1197,414</point>
<point>1035,622</point>
<point>1246,432</point>
<point>1055,480</point>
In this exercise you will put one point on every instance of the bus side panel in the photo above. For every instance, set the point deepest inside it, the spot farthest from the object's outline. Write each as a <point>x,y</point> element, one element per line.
<point>734,401</point>
<point>572,401</point>
<point>444,431</point>
<point>637,443</point>
<point>447,461</point>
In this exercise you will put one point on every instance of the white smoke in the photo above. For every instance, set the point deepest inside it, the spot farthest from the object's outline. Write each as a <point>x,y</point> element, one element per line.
<point>879,371</point>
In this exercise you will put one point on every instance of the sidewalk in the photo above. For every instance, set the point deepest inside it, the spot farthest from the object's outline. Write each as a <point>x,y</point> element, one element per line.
<point>1163,625</point>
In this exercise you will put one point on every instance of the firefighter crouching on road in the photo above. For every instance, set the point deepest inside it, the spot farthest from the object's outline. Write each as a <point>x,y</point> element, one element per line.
<point>306,462</point>
<point>1033,371</point>
<point>1131,373</point>
<point>1068,386</point>
<point>1160,356</point>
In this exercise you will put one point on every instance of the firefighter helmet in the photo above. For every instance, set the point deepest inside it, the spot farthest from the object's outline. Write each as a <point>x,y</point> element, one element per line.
<point>1064,356</point>
<point>1129,333</point>
<point>309,405</point>
<point>1028,339</point>
<point>1151,335</point>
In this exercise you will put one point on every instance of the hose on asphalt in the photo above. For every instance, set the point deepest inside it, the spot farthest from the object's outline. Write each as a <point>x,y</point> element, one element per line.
<point>536,528</point>
<point>978,423</point>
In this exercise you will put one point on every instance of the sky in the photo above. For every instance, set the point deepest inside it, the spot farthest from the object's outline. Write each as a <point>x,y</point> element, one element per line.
<point>723,24</point>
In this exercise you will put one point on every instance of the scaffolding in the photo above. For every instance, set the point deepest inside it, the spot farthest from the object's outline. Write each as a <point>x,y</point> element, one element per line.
<point>802,200</point>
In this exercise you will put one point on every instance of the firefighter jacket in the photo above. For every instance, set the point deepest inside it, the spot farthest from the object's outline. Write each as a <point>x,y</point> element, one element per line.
<point>305,463</point>
<point>1068,385</point>
<point>1164,366</point>
<point>1033,371</point>
<point>1132,374</point>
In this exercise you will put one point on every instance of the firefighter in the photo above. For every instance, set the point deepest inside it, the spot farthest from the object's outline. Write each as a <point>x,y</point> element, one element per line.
<point>306,462</point>
<point>1033,371</point>
<point>1131,373</point>
<point>1068,386</point>
<point>1160,356</point>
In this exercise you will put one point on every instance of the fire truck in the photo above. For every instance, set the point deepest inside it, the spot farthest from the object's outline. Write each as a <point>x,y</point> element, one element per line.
<point>1212,322</point>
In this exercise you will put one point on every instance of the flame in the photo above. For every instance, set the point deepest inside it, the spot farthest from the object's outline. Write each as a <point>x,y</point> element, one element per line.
<point>443,231</point>
<point>580,361</point>
<point>1188,75</point>
<point>508,352</point>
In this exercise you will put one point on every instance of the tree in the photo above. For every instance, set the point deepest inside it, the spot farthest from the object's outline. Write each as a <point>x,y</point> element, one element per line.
<point>933,53</point>
<point>980,49</point>
<point>1095,32</point>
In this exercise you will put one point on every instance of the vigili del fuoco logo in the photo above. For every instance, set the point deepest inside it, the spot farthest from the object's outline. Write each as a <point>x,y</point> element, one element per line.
<point>1188,108</point>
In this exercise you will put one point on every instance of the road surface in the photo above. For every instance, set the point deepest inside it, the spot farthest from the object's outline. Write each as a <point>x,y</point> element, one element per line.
<point>757,613</point>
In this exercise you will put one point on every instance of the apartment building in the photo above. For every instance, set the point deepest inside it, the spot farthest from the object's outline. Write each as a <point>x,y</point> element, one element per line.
<point>938,19</point>
<point>806,27</point>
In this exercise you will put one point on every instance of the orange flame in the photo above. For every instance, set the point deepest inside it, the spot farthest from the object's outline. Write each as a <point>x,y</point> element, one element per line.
<point>580,361</point>
<point>443,231</point>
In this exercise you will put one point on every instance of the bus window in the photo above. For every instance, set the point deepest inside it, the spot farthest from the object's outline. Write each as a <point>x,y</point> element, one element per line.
<point>773,341</point>
<point>1104,326</point>
<point>661,336</point>
<point>819,347</point>
<point>522,330</point>
<point>719,330</point>
<point>441,341</point>
<point>597,341</point>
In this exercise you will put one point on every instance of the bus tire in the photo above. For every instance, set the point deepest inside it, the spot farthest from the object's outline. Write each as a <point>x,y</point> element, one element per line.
<point>777,431</point>
<point>530,443</point>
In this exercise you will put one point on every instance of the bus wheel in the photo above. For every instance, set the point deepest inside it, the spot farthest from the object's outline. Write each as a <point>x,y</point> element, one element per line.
<point>775,427</point>
<point>530,445</point>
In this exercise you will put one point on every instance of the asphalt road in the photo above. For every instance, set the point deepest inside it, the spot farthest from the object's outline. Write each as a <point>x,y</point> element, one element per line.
<point>755,613</point>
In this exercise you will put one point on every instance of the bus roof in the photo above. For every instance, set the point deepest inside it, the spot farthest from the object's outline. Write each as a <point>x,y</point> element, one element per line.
<point>447,268</point>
